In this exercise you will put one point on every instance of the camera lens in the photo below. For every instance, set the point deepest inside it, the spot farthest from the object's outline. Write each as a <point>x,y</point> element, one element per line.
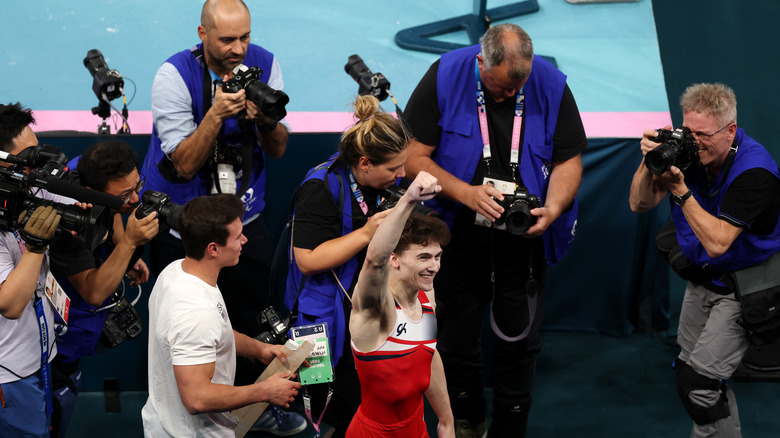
<point>356,68</point>
<point>660,159</point>
<point>271,102</point>
<point>519,218</point>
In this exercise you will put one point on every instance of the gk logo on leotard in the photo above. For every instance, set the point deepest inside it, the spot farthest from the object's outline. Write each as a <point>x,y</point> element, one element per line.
<point>401,329</point>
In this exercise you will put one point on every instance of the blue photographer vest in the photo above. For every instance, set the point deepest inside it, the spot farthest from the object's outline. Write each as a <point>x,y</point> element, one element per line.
<point>319,297</point>
<point>85,325</point>
<point>460,147</point>
<point>188,64</point>
<point>748,249</point>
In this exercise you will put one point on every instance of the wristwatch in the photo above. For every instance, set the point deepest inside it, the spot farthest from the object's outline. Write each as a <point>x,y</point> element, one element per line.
<point>680,200</point>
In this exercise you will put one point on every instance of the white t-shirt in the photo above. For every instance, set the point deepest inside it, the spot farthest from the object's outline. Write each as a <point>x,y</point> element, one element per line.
<point>188,325</point>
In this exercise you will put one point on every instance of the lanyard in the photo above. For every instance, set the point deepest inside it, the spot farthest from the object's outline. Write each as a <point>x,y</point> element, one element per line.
<point>43,328</point>
<point>307,409</point>
<point>514,157</point>
<point>44,351</point>
<point>361,200</point>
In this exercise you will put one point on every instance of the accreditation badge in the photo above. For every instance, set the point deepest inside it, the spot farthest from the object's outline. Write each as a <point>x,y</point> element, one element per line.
<point>57,297</point>
<point>320,369</point>
<point>506,187</point>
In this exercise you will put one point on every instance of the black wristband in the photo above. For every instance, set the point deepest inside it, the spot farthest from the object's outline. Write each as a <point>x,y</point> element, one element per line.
<point>34,243</point>
<point>267,127</point>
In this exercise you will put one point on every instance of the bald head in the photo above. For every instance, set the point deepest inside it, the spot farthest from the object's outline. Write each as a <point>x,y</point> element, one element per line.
<point>213,8</point>
<point>508,43</point>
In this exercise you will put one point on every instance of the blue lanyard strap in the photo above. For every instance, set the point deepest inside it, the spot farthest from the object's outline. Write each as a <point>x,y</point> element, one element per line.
<point>43,327</point>
<point>517,125</point>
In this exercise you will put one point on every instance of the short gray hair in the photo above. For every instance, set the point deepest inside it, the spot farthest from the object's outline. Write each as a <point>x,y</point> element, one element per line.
<point>507,42</point>
<point>716,100</point>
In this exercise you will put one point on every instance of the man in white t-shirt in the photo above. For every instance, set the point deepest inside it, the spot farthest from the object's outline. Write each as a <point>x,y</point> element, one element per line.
<point>192,345</point>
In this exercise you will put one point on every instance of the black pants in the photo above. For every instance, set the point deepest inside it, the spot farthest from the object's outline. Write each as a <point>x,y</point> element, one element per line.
<point>245,287</point>
<point>480,266</point>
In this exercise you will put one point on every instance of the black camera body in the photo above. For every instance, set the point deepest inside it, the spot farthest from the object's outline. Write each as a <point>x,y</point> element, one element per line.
<point>393,194</point>
<point>374,84</point>
<point>104,81</point>
<point>123,322</point>
<point>678,148</point>
<point>517,211</point>
<point>167,211</point>
<point>48,171</point>
<point>274,327</point>
<point>271,102</point>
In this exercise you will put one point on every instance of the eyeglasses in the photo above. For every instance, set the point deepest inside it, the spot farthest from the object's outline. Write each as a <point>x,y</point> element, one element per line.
<point>138,187</point>
<point>706,137</point>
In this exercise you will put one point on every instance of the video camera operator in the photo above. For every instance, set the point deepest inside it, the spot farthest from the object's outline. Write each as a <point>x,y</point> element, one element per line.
<point>725,212</point>
<point>27,315</point>
<point>91,277</point>
<point>210,139</point>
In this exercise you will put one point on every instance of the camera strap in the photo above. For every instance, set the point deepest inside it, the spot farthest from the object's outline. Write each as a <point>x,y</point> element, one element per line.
<point>209,88</point>
<point>517,125</point>
<point>723,174</point>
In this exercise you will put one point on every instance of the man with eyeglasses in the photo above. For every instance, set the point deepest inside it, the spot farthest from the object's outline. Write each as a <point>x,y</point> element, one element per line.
<point>91,278</point>
<point>725,212</point>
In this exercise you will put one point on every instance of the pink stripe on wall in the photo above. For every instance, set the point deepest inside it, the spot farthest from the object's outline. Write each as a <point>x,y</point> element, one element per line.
<point>597,124</point>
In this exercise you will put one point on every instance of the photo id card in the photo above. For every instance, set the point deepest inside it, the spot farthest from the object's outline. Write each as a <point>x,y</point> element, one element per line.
<point>320,368</point>
<point>57,297</point>
<point>503,186</point>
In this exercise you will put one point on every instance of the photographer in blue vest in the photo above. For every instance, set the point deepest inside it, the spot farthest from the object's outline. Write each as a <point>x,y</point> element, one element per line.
<point>213,137</point>
<point>337,211</point>
<point>500,130</point>
<point>725,205</point>
<point>92,277</point>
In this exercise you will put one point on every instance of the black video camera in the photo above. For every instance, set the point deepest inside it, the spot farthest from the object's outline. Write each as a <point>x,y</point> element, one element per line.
<point>375,84</point>
<point>678,148</point>
<point>105,82</point>
<point>517,211</point>
<point>48,171</point>
<point>271,102</point>
<point>167,211</point>
<point>274,327</point>
<point>393,194</point>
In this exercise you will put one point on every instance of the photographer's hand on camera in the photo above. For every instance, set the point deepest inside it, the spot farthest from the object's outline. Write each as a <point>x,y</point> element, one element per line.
<point>272,136</point>
<point>193,151</point>
<point>648,190</point>
<point>545,216</point>
<point>646,144</point>
<point>140,231</point>
<point>482,199</point>
<point>372,224</point>
<point>227,105</point>
<point>39,229</point>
